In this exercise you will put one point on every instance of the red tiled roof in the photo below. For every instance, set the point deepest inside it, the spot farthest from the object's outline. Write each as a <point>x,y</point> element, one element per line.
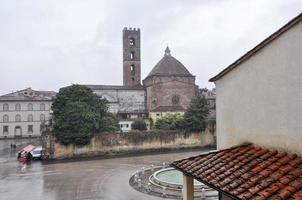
<point>247,172</point>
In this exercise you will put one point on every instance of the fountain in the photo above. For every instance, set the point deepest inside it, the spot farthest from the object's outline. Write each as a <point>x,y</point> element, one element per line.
<point>166,182</point>
<point>171,178</point>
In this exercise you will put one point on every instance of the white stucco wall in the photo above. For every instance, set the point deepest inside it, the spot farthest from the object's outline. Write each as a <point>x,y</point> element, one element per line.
<point>125,126</point>
<point>24,112</point>
<point>260,101</point>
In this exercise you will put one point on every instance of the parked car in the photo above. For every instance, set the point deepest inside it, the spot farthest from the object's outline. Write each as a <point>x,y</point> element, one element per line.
<point>37,153</point>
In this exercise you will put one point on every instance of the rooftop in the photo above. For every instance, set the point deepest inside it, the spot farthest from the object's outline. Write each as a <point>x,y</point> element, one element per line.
<point>247,172</point>
<point>169,66</point>
<point>28,94</point>
<point>114,87</point>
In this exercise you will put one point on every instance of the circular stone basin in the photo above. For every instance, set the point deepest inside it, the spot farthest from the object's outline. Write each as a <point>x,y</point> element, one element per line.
<point>171,177</point>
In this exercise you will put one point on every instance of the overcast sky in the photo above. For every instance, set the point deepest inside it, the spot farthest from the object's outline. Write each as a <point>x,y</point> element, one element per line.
<point>48,44</point>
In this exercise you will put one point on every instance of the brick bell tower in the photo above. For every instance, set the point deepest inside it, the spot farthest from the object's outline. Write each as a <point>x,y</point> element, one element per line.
<point>131,57</point>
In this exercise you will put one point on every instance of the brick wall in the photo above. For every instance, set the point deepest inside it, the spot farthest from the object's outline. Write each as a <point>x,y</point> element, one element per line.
<point>160,91</point>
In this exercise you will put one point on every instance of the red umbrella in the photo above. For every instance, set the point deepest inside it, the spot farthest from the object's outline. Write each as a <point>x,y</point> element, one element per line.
<point>28,148</point>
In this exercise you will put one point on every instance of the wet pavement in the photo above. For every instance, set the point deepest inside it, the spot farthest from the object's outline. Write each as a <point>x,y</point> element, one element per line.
<point>106,179</point>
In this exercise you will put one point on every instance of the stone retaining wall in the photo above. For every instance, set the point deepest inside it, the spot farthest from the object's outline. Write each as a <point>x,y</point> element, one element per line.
<point>104,144</point>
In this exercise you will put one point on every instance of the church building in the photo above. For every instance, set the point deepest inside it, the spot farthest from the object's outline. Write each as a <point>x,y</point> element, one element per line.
<point>167,89</point>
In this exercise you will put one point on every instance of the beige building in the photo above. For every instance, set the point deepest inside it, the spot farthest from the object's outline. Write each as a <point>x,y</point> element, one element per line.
<point>23,112</point>
<point>259,114</point>
<point>163,111</point>
<point>259,96</point>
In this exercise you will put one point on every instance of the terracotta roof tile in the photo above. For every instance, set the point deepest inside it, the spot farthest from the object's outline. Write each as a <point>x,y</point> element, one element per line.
<point>248,172</point>
<point>298,195</point>
<point>297,183</point>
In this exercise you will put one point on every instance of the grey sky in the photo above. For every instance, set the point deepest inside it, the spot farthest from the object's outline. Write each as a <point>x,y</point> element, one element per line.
<point>50,44</point>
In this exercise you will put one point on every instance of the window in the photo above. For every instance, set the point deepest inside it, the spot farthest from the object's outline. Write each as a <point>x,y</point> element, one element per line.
<point>30,118</point>
<point>132,69</point>
<point>18,131</point>
<point>5,107</point>
<point>5,129</point>
<point>5,118</point>
<point>131,41</point>
<point>132,55</point>
<point>175,99</point>
<point>123,116</point>
<point>18,118</point>
<point>42,106</point>
<point>30,106</point>
<point>157,114</point>
<point>121,125</point>
<point>17,107</point>
<point>127,125</point>
<point>30,128</point>
<point>41,127</point>
<point>42,117</point>
<point>132,79</point>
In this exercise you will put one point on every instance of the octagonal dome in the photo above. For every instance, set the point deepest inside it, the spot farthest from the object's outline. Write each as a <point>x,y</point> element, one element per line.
<point>169,66</point>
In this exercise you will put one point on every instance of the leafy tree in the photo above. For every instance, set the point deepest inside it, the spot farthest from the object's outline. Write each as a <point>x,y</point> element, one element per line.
<point>139,124</point>
<point>195,117</point>
<point>109,122</point>
<point>170,122</point>
<point>77,114</point>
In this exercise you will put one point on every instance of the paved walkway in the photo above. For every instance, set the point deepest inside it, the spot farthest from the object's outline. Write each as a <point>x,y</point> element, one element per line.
<point>106,179</point>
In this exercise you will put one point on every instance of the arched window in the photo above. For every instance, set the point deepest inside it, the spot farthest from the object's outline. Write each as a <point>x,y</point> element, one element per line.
<point>132,69</point>
<point>42,117</point>
<point>131,41</point>
<point>30,106</point>
<point>5,107</point>
<point>132,55</point>
<point>5,118</point>
<point>18,118</point>
<point>17,107</point>
<point>30,118</point>
<point>42,106</point>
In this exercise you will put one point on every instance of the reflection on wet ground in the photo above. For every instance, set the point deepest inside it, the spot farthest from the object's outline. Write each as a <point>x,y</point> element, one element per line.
<point>106,179</point>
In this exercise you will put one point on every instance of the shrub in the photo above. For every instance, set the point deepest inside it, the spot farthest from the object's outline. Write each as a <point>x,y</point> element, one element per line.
<point>169,122</point>
<point>139,124</point>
